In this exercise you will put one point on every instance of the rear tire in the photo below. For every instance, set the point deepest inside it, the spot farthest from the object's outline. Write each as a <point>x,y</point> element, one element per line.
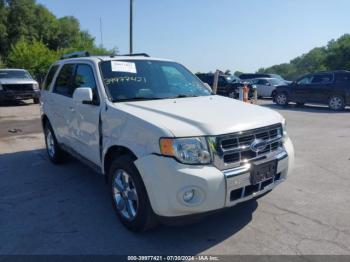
<point>55,153</point>
<point>281,99</point>
<point>336,103</point>
<point>129,196</point>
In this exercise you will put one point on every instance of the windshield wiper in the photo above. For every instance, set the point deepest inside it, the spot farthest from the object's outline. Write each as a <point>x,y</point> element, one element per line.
<point>183,96</point>
<point>140,98</point>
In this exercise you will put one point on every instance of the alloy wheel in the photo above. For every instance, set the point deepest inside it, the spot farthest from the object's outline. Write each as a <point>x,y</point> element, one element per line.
<point>50,143</point>
<point>336,102</point>
<point>125,194</point>
<point>281,99</point>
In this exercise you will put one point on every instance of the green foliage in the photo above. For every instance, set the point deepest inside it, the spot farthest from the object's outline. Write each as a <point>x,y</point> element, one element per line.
<point>238,73</point>
<point>31,37</point>
<point>334,56</point>
<point>2,64</point>
<point>33,56</point>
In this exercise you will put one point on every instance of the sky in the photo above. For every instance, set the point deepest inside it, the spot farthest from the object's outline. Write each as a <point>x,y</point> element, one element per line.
<point>206,35</point>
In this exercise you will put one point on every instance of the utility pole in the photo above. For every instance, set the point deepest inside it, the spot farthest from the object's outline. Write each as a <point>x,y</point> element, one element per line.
<point>131,25</point>
<point>101,32</point>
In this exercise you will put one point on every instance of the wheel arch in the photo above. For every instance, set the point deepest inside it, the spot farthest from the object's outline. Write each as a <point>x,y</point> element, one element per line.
<point>112,153</point>
<point>44,121</point>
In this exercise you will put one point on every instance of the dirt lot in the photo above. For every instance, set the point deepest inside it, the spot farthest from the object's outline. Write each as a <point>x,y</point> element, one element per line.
<point>48,209</point>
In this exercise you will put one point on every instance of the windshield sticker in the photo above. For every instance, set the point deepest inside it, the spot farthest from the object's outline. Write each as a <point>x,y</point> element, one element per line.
<point>118,66</point>
<point>119,79</point>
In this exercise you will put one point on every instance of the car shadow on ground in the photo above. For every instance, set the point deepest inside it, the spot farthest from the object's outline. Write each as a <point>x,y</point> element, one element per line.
<point>306,108</point>
<point>15,103</point>
<point>66,209</point>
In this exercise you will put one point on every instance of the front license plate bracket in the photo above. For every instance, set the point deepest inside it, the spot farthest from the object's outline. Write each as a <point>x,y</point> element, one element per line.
<point>263,172</point>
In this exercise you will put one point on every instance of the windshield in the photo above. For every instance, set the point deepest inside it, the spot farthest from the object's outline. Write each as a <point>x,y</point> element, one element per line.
<point>146,80</point>
<point>15,74</point>
<point>233,79</point>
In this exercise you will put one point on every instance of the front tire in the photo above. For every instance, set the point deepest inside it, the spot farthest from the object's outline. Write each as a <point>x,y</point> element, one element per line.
<point>129,195</point>
<point>273,94</point>
<point>281,99</point>
<point>336,103</point>
<point>55,153</point>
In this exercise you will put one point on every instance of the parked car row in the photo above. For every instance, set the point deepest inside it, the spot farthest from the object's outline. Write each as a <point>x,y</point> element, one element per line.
<point>330,88</point>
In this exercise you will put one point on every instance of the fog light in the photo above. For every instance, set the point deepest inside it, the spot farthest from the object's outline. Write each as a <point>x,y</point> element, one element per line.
<point>188,195</point>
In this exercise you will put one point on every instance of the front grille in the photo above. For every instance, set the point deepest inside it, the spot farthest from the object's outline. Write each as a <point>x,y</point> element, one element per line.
<point>18,87</point>
<point>251,189</point>
<point>234,150</point>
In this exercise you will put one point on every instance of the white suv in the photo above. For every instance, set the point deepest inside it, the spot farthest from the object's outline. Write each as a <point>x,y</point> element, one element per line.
<point>167,146</point>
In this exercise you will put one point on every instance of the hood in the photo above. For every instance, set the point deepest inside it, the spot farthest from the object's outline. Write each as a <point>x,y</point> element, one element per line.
<point>198,116</point>
<point>11,81</point>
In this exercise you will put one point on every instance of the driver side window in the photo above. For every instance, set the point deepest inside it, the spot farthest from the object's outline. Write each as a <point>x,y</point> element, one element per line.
<point>84,77</point>
<point>305,80</point>
<point>173,76</point>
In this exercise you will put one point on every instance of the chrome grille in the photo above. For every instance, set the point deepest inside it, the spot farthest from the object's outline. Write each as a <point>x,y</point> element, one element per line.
<point>18,87</point>
<point>233,150</point>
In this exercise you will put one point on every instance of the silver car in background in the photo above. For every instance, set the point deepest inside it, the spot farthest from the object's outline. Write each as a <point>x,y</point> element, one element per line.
<point>266,87</point>
<point>18,84</point>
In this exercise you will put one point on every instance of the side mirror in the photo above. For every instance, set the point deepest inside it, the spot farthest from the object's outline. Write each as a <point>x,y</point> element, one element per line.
<point>268,84</point>
<point>208,87</point>
<point>83,95</point>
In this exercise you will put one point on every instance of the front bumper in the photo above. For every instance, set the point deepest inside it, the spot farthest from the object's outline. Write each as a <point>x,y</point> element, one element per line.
<point>166,181</point>
<point>10,95</point>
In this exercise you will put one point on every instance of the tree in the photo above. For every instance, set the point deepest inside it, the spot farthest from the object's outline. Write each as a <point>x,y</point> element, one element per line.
<point>2,64</point>
<point>21,20</point>
<point>3,27</point>
<point>33,56</point>
<point>238,73</point>
<point>338,53</point>
<point>228,72</point>
<point>334,56</point>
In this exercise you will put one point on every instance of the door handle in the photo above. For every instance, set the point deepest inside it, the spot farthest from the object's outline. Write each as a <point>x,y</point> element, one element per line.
<point>71,109</point>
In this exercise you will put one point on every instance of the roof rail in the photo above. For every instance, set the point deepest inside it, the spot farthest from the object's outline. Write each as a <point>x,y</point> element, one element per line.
<point>136,54</point>
<point>76,54</point>
<point>86,54</point>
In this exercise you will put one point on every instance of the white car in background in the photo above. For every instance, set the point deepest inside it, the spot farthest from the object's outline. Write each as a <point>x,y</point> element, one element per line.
<point>266,87</point>
<point>18,84</point>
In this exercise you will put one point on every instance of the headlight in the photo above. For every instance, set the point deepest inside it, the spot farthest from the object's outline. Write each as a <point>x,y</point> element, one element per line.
<point>35,86</point>
<point>186,150</point>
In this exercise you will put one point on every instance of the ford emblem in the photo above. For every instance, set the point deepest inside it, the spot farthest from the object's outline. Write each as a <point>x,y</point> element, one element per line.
<point>258,145</point>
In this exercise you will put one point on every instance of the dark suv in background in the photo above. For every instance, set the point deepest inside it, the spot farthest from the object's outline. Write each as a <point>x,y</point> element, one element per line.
<point>331,88</point>
<point>228,85</point>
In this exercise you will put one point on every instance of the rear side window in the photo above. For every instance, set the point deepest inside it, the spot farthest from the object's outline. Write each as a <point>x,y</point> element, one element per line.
<point>49,77</point>
<point>342,78</point>
<point>322,79</point>
<point>63,85</point>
